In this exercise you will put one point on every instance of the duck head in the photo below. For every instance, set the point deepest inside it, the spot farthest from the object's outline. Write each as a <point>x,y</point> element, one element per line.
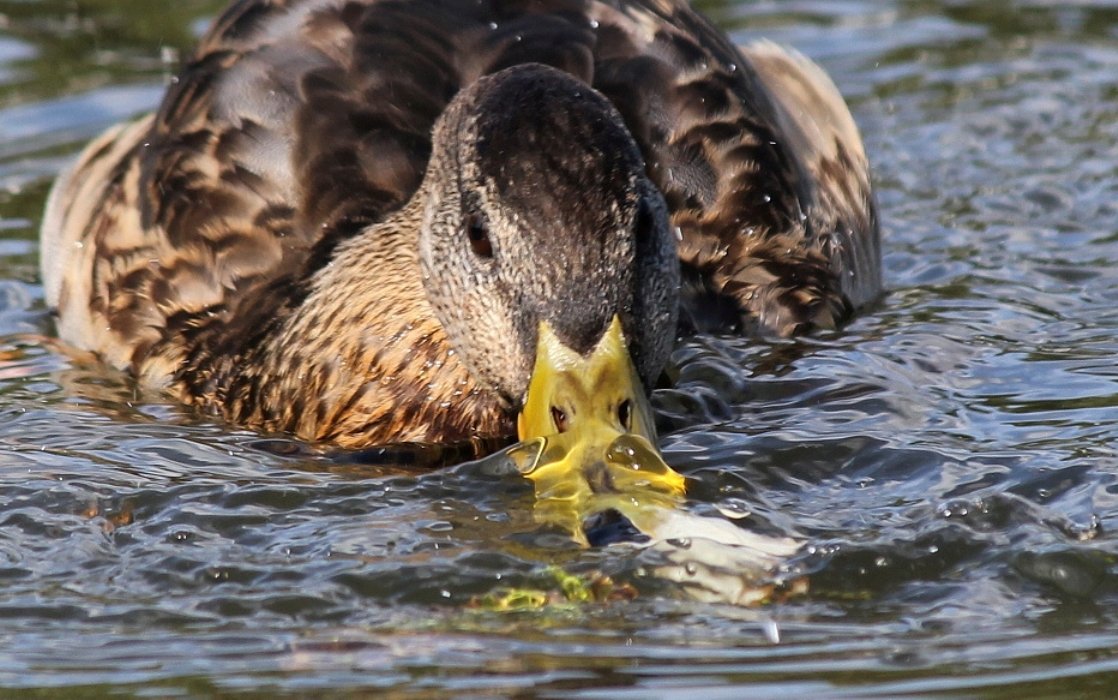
<point>548,258</point>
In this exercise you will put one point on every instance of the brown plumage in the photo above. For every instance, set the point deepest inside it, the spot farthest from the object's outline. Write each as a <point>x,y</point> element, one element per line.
<point>260,246</point>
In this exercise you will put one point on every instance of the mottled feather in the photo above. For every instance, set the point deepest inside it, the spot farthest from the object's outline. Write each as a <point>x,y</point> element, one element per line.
<point>181,245</point>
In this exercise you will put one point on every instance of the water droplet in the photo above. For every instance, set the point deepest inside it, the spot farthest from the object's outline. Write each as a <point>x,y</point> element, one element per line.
<point>690,568</point>
<point>492,25</point>
<point>734,508</point>
<point>771,631</point>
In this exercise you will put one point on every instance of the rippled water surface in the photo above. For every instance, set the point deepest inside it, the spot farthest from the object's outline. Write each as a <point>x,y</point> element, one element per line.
<point>949,457</point>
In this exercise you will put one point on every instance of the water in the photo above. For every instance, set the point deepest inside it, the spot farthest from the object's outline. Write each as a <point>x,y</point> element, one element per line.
<point>949,457</point>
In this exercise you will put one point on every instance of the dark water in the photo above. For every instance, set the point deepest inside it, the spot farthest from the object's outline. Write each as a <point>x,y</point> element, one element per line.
<point>949,457</point>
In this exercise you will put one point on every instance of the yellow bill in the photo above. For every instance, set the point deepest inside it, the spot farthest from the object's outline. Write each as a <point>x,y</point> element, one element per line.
<point>593,425</point>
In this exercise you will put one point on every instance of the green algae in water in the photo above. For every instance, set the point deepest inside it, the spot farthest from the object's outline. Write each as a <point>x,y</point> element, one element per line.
<point>559,590</point>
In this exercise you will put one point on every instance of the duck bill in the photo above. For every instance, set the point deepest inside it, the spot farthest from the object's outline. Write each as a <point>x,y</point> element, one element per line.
<point>598,439</point>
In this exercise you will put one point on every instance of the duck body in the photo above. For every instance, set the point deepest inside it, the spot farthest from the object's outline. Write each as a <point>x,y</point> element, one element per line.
<point>257,246</point>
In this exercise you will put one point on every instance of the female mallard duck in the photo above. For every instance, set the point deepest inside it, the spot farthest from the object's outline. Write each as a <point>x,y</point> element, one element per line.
<point>384,220</point>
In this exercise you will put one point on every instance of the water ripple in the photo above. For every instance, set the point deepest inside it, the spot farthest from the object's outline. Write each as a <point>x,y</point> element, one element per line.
<point>948,458</point>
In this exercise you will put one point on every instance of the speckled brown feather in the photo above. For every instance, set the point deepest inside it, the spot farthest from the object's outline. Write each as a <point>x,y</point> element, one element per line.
<point>181,246</point>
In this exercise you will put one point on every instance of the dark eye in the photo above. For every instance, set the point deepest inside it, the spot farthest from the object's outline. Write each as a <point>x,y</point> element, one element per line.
<point>477,230</point>
<point>559,418</point>
<point>644,220</point>
<point>625,414</point>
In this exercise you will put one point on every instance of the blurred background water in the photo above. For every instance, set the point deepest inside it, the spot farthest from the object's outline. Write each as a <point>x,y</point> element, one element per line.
<point>949,457</point>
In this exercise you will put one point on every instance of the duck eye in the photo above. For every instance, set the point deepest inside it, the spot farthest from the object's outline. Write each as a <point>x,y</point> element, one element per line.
<point>625,414</point>
<point>559,418</point>
<point>477,230</point>
<point>644,220</point>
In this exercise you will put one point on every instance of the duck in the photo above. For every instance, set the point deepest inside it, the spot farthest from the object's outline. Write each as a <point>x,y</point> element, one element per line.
<point>369,222</point>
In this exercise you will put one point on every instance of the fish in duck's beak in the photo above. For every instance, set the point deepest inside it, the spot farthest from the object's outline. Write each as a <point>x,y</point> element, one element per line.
<point>598,439</point>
